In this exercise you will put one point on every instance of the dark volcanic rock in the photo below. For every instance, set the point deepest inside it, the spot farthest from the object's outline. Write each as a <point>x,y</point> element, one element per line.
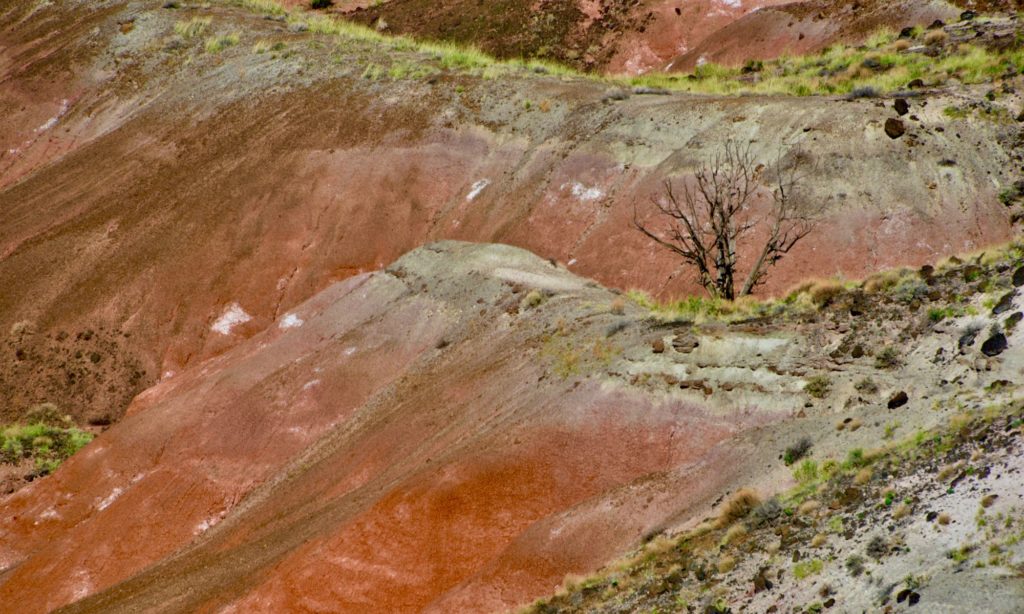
<point>994,345</point>
<point>967,339</point>
<point>1005,303</point>
<point>1018,276</point>
<point>894,128</point>
<point>901,106</point>
<point>898,399</point>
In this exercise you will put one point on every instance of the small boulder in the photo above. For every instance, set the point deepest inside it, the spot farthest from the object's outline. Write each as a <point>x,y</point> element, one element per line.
<point>916,83</point>
<point>658,346</point>
<point>968,15</point>
<point>684,343</point>
<point>994,345</point>
<point>902,106</point>
<point>1005,303</point>
<point>1018,277</point>
<point>898,399</point>
<point>1013,320</point>
<point>894,128</point>
<point>967,340</point>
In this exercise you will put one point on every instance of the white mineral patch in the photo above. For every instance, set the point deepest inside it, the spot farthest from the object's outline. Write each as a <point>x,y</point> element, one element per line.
<point>584,193</point>
<point>232,316</point>
<point>476,188</point>
<point>291,321</point>
<point>114,494</point>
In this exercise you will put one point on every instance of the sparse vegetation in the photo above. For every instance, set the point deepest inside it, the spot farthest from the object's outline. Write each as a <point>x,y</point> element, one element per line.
<point>46,444</point>
<point>192,28</point>
<point>216,44</point>
<point>888,358</point>
<point>797,451</point>
<point>805,569</point>
<point>818,386</point>
<point>738,507</point>
<point>707,223</point>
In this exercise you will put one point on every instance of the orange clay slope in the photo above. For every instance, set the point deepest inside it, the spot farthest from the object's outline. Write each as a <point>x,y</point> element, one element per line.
<point>182,199</point>
<point>426,438</point>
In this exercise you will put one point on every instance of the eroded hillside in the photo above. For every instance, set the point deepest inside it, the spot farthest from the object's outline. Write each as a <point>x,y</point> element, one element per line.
<point>160,173</point>
<point>323,295</point>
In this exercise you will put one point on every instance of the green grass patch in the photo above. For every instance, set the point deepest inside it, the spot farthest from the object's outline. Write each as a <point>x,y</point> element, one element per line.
<point>45,444</point>
<point>805,569</point>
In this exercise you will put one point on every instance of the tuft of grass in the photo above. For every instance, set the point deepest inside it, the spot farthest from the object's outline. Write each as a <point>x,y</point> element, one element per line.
<point>805,569</point>
<point>193,28</point>
<point>738,507</point>
<point>264,7</point>
<point>216,44</point>
<point>807,472</point>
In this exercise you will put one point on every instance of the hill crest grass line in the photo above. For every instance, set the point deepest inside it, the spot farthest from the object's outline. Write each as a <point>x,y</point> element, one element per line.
<point>884,64</point>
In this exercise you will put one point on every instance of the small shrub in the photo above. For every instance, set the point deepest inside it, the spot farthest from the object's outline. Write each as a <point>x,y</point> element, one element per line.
<point>936,37</point>
<point>863,476</point>
<point>877,547</point>
<point>797,451</point>
<point>618,306</point>
<point>910,289</point>
<point>863,91</point>
<point>888,358</point>
<point>738,506</point>
<point>766,512</point>
<point>533,298</point>
<point>320,4</point>
<point>822,293</point>
<point>818,386</point>
<point>866,386</point>
<point>855,565</point>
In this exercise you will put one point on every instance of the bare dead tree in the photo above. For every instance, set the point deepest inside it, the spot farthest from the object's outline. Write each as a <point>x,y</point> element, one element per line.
<point>713,216</point>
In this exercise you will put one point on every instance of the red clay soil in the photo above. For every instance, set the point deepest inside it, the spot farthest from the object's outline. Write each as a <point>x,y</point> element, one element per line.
<point>606,35</point>
<point>808,27</point>
<point>171,206</point>
<point>412,416</point>
<point>356,446</point>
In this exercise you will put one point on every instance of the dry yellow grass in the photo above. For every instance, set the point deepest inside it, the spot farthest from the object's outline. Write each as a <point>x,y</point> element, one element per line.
<point>808,507</point>
<point>902,511</point>
<point>863,476</point>
<point>936,37</point>
<point>618,306</point>
<point>854,424</point>
<point>735,532</point>
<point>738,506</point>
<point>943,519</point>
<point>824,291</point>
<point>726,564</point>
<point>819,540</point>
<point>948,471</point>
